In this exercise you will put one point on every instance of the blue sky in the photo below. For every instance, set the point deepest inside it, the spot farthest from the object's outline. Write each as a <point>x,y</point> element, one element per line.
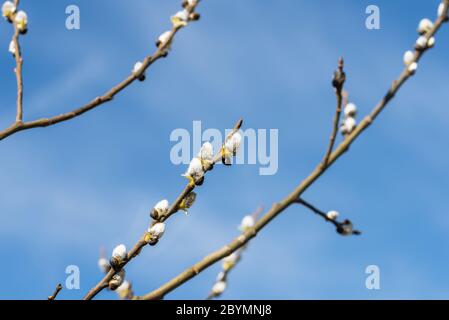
<point>69,189</point>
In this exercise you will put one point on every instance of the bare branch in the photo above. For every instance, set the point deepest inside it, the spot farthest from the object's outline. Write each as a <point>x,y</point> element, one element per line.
<point>18,69</point>
<point>56,292</point>
<point>293,197</point>
<point>343,228</point>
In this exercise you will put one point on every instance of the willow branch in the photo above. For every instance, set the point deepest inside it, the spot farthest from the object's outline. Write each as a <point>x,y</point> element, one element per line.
<point>175,207</point>
<point>18,126</point>
<point>338,82</point>
<point>223,275</point>
<point>56,292</point>
<point>19,63</point>
<point>343,227</point>
<point>293,197</point>
<point>230,262</point>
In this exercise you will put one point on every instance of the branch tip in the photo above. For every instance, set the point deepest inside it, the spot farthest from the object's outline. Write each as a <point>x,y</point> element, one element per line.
<point>55,293</point>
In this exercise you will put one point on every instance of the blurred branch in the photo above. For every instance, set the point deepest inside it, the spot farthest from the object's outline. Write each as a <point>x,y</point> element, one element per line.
<point>230,262</point>
<point>146,238</point>
<point>56,292</point>
<point>222,279</point>
<point>161,52</point>
<point>295,195</point>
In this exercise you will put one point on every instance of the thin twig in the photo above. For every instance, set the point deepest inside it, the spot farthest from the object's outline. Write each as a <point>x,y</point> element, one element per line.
<point>161,52</point>
<point>316,210</point>
<point>338,82</point>
<point>341,227</point>
<point>227,268</point>
<point>56,292</point>
<point>136,249</point>
<point>277,208</point>
<point>225,273</point>
<point>18,69</point>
